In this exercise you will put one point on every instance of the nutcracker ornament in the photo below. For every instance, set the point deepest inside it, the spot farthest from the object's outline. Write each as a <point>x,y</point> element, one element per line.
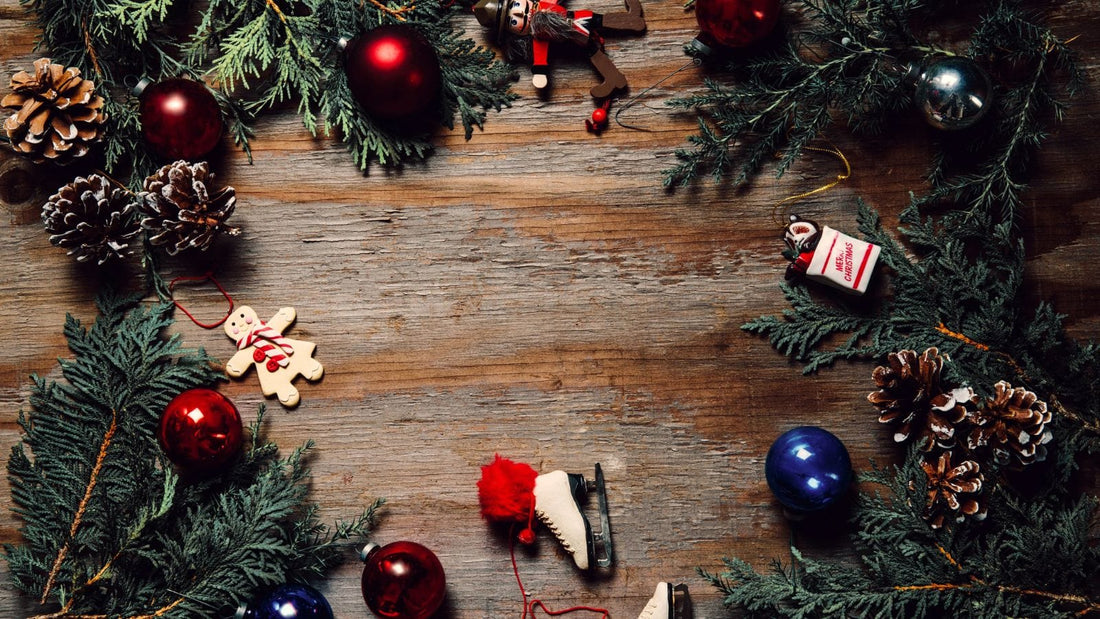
<point>513,492</point>
<point>527,28</point>
<point>278,360</point>
<point>828,256</point>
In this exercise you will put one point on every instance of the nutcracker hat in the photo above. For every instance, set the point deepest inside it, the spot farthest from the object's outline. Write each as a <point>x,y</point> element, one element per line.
<point>492,14</point>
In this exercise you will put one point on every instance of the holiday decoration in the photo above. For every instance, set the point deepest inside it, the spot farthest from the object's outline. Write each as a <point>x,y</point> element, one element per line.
<point>736,23</point>
<point>288,602</point>
<point>513,492</point>
<point>278,360</point>
<point>57,113</point>
<point>907,385</point>
<point>599,118</point>
<point>92,219</point>
<point>180,119</point>
<point>393,72</point>
<point>180,212</point>
<point>808,469</point>
<point>954,93</point>
<point>830,257</point>
<point>200,430</point>
<point>402,580</point>
<point>262,57</point>
<point>106,530</point>
<point>668,602</point>
<point>1013,423</point>
<point>527,27</point>
<point>951,490</point>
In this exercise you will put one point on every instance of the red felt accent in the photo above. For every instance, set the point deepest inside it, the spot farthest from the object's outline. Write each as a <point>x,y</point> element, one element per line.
<point>506,490</point>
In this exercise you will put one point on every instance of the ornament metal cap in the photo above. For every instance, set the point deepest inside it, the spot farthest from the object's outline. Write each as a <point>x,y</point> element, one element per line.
<point>368,550</point>
<point>490,13</point>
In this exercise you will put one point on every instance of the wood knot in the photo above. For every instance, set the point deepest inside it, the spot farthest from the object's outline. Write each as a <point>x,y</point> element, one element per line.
<point>22,191</point>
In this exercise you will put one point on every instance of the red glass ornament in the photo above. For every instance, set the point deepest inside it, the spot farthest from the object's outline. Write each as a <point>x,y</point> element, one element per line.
<point>180,119</point>
<point>403,580</point>
<point>200,430</point>
<point>393,72</point>
<point>736,23</point>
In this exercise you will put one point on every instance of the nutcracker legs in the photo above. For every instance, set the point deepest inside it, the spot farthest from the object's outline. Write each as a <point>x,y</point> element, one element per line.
<point>630,21</point>
<point>612,78</point>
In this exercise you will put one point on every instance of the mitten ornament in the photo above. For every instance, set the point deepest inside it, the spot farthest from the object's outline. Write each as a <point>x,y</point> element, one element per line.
<point>528,27</point>
<point>92,219</point>
<point>513,492</point>
<point>180,210</point>
<point>278,360</point>
<point>828,256</point>
<point>57,113</point>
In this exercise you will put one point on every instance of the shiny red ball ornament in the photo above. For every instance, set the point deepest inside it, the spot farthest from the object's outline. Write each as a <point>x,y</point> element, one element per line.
<point>736,23</point>
<point>200,430</point>
<point>180,119</point>
<point>393,72</point>
<point>599,117</point>
<point>402,580</point>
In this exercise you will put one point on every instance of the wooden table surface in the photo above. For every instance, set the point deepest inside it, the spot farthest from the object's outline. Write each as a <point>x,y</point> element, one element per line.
<point>535,292</point>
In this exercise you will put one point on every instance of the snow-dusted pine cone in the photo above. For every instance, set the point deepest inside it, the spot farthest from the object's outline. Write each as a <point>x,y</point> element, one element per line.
<point>952,490</point>
<point>911,396</point>
<point>180,212</point>
<point>93,220</point>
<point>57,113</point>
<point>1013,423</point>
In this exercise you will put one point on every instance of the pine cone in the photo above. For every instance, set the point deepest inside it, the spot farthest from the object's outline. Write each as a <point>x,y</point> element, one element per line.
<point>952,490</point>
<point>910,394</point>
<point>57,113</point>
<point>1013,423</point>
<point>91,219</point>
<point>179,211</point>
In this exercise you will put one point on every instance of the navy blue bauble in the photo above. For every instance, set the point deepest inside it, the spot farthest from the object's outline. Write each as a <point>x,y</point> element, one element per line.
<point>808,469</point>
<point>289,602</point>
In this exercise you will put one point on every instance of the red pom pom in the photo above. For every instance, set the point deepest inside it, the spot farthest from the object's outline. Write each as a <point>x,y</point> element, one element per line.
<point>506,490</point>
<point>599,116</point>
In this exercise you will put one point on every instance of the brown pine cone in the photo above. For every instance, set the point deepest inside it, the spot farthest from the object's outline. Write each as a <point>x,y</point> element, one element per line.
<point>92,219</point>
<point>57,113</point>
<point>179,211</point>
<point>952,490</point>
<point>1013,423</point>
<point>911,395</point>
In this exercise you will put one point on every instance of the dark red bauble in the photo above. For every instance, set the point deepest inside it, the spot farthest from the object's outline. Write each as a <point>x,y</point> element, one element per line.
<point>180,119</point>
<point>403,580</point>
<point>736,23</point>
<point>200,430</point>
<point>393,72</point>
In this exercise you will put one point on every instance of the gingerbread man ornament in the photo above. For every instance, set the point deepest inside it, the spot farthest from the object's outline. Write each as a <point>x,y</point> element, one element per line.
<point>278,360</point>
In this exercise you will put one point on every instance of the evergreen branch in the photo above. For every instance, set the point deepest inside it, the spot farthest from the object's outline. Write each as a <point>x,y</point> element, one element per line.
<point>92,479</point>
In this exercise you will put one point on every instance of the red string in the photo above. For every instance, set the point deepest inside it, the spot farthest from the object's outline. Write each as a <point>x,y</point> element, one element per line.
<point>202,278</point>
<point>529,607</point>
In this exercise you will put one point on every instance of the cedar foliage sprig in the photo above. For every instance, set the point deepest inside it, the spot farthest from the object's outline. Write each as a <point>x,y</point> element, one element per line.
<point>109,528</point>
<point>260,55</point>
<point>1000,568</point>
<point>847,61</point>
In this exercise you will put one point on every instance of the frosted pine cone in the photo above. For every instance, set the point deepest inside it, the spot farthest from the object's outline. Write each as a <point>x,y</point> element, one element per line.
<point>57,113</point>
<point>1013,423</point>
<point>952,490</point>
<point>92,219</point>
<point>911,395</point>
<point>180,213</point>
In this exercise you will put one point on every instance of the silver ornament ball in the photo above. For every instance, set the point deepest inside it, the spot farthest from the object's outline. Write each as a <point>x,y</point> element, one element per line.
<point>954,93</point>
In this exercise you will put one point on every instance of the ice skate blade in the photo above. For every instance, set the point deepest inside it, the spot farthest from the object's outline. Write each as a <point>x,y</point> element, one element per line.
<point>602,540</point>
<point>681,602</point>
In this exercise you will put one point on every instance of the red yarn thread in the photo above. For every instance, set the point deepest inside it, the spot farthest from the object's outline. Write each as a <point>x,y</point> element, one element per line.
<point>529,607</point>
<point>202,278</point>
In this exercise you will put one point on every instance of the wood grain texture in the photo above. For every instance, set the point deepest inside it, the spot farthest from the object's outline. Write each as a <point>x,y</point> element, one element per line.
<point>535,292</point>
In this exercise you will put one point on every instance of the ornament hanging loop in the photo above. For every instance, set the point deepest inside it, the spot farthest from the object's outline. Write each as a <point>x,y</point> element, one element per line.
<point>696,61</point>
<point>779,213</point>
<point>208,276</point>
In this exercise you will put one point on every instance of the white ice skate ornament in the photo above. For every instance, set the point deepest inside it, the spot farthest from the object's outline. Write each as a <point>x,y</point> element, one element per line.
<point>278,360</point>
<point>830,257</point>
<point>668,602</point>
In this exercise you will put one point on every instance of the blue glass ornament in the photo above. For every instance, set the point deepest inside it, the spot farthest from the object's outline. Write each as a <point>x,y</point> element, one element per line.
<point>289,602</point>
<point>808,468</point>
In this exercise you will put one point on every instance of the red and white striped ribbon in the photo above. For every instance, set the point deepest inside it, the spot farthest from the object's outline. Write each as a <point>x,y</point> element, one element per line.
<point>268,341</point>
